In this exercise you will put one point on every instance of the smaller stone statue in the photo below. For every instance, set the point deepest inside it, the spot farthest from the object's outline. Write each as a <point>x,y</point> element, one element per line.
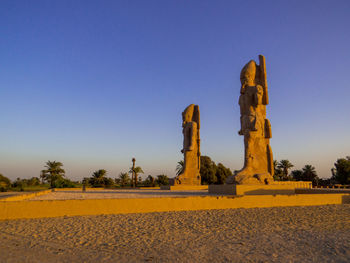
<point>191,147</point>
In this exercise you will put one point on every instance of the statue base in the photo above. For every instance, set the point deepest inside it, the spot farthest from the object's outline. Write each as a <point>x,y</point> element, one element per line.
<point>276,188</point>
<point>183,187</point>
<point>182,180</point>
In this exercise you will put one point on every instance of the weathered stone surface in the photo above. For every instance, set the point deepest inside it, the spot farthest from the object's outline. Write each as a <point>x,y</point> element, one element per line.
<point>256,129</point>
<point>276,188</point>
<point>191,147</point>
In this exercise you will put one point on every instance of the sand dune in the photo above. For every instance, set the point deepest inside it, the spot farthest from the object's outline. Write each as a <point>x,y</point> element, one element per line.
<point>290,234</point>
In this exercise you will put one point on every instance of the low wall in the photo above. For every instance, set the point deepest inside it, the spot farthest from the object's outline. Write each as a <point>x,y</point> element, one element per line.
<point>55,208</point>
<point>323,191</point>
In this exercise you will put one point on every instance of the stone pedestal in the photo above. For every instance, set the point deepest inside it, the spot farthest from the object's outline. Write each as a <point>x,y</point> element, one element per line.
<point>184,187</point>
<point>278,188</point>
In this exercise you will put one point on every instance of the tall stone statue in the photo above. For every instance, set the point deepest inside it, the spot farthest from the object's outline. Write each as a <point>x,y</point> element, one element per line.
<point>191,147</point>
<point>256,129</point>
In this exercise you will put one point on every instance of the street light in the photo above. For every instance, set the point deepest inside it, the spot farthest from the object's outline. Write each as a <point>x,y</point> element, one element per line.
<point>133,177</point>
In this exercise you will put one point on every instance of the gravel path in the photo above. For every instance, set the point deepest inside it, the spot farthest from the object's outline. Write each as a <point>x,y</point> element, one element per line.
<point>280,234</point>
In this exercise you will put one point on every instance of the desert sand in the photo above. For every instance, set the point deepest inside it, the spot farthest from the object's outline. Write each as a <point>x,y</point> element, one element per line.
<point>284,234</point>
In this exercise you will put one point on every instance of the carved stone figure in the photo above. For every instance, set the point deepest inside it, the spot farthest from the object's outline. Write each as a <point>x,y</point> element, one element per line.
<point>191,147</point>
<point>256,129</point>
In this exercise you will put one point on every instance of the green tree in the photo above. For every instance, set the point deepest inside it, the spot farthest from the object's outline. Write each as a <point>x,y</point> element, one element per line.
<point>180,167</point>
<point>278,174</point>
<point>64,183</point>
<point>222,173</point>
<point>208,170</point>
<point>297,175</point>
<point>53,172</point>
<point>137,170</point>
<point>34,181</point>
<point>162,180</point>
<point>212,173</point>
<point>285,165</point>
<point>19,183</point>
<point>150,181</point>
<point>341,172</point>
<point>124,179</point>
<point>309,173</point>
<point>5,183</point>
<point>99,179</point>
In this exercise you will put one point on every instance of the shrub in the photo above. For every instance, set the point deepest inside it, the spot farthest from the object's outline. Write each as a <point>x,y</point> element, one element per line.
<point>5,183</point>
<point>162,180</point>
<point>63,183</point>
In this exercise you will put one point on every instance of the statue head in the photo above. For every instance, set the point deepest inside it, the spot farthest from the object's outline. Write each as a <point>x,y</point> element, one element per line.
<point>248,73</point>
<point>191,113</point>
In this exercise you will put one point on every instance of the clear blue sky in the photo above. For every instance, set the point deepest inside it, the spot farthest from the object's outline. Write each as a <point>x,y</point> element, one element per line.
<point>94,83</point>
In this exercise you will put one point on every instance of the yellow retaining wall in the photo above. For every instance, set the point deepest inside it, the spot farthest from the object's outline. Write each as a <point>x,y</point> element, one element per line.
<point>56,208</point>
<point>25,196</point>
<point>323,191</point>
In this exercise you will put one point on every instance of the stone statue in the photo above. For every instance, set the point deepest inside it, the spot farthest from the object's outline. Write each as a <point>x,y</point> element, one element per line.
<point>191,147</point>
<point>256,129</point>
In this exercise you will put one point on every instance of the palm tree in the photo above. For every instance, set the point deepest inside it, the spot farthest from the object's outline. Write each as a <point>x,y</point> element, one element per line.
<point>98,178</point>
<point>275,164</point>
<point>277,171</point>
<point>309,173</point>
<point>53,172</point>
<point>285,165</point>
<point>135,171</point>
<point>124,178</point>
<point>297,175</point>
<point>179,167</point>
<point>42,176</point>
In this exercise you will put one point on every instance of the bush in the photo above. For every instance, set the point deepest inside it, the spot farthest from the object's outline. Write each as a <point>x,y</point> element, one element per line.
<point>33,181</point>
<point>162,180</point>
<point>63,183</point>
<point>5,183</point>
<point>150,181</point>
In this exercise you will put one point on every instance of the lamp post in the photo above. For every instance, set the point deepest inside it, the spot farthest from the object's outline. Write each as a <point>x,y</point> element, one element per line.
<point>133,176</point>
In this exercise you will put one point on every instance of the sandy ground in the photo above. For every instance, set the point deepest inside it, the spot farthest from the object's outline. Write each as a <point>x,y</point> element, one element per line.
<point>116,194</point>
<point>287,234</point>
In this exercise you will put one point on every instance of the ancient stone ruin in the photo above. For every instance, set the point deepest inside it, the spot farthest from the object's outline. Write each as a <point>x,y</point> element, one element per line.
<point>191,148</point>
<point>255,127</point>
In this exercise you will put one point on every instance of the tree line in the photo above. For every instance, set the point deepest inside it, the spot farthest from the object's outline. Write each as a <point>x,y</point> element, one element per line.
<point>340,173</point>
<point>53,176</point>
